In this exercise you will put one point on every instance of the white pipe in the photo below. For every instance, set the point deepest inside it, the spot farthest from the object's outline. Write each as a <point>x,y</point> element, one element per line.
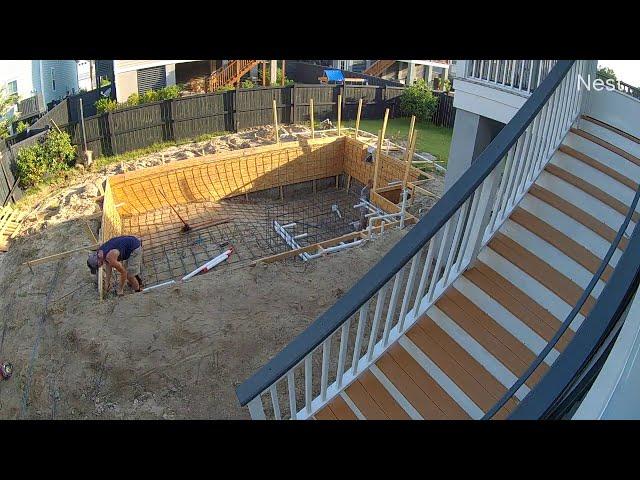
<point>170,282</point>
<point>302,235</point>
<point>337,248</point>
<point>404,206</point>
<point>210,264</point>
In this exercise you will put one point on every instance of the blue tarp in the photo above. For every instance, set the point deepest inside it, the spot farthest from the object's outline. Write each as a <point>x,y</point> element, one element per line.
<point>334,75</point>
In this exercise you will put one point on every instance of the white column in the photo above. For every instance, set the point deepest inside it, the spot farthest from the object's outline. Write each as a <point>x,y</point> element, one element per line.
<point>273,69</point>
<point>411,73</point>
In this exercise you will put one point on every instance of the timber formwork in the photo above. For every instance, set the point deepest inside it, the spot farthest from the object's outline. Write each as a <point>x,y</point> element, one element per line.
<point>233,198</point>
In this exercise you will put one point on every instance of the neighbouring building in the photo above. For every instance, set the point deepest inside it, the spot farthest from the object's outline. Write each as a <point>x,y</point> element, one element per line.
<point>86,74</point>
<point>38,82</point>
<point>404,71</point>
<point>138,76</point>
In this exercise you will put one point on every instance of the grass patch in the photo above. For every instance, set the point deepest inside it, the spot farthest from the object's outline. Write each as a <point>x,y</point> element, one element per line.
<point>431,139</point>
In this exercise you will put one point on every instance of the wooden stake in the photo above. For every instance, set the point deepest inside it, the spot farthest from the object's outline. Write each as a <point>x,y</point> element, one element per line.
<point>313,131</point>
<point>90,234</point>
<point>348,182</point>
<point>358,117</point>
<point>380,143</point>
<point>411,127</point>
<point>339,112</point>
<point>281,193</point>
<point>412,147</point>
<point>275,121</point>
<point>264,74</point>
<point>51,258</point>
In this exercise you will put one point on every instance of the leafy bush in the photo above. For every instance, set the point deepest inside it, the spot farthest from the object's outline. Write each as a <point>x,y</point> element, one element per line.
<point>418,100</point>
<point>21,127</point>
<point>105,82</point>
<point>167,93</point>
<point>225,88</point>
<point>133,100</point>
<point>45,158</point>
<point>607,73</point>
<point>106,105</point>
<point>148,97</point>
<point>247,84</point>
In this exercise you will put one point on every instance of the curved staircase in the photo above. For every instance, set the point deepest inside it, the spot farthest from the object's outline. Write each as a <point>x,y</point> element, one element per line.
<point>476,294</point>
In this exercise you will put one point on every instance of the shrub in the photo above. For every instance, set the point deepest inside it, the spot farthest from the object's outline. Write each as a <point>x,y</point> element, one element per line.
<point>167,93</point>
<point>106,105</point>
<point>21,127</point>
<point>418,100</point>
<point>247,84</point>
<point>148,96</point>
<point>133,100</point>
<point>607,73</point>
<point>45,158</point>
<point>225,88</point>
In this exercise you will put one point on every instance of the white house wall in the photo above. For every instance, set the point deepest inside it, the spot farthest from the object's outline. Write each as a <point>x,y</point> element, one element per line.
<point>21,71</point>
<point>65,73</point>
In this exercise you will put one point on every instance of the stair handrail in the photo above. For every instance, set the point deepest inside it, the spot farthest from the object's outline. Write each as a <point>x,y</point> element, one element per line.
<point>407,249</point>
<point>572,314</point>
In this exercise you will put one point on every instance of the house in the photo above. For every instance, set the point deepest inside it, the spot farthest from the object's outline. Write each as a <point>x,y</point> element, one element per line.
<point>48,80</point>
<point>404,71</point>
<point>86,75</point>
<point>138,76</point>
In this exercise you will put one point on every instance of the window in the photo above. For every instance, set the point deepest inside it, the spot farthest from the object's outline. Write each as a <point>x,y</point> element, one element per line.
<point>53,79</point>
<point>12,87</point>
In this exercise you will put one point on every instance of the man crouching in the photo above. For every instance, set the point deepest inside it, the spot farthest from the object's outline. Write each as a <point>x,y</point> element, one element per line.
<point>112,253</point>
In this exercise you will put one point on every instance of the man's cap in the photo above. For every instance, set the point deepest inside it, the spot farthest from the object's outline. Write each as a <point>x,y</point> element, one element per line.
<point>92,262</point>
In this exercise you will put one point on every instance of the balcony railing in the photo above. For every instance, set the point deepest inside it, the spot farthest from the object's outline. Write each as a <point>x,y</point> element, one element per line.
<point>393,295</point>
<point>522,76</point>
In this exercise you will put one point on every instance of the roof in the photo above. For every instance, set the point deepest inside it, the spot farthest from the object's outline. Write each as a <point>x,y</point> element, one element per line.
<point>334,75</point>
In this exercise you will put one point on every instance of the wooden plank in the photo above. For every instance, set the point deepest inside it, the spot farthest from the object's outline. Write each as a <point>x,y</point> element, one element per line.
<point>325,414</point>
<point>593,163</point>
<point>626,135</point>
<point>358,117</point>
<point>427,384</point>
<point>590,189</point>
<point>50,258</point>
<point>379,149</point>
<point>607,145</point>
<point>562,242</point>
<point>541,271</point>
<point>518,303</point>
<point>341,410</point>
<point>382,397</point>
<point>367,405</point>
<point>452,367</point>
<point>577,214</point>
<point>414,395</point>
<point>512,353</point>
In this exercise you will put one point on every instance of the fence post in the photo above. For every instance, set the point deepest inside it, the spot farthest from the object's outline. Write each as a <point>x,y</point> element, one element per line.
<point>234,112</point>
<point>169,121</point>
<point>292,117</point>
<point>112,135</point>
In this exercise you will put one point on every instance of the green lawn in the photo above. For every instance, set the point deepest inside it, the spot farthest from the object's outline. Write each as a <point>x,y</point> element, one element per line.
<point>431,139</point>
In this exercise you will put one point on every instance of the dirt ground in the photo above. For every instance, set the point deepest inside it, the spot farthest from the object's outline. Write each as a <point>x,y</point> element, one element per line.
<point>172,353</point>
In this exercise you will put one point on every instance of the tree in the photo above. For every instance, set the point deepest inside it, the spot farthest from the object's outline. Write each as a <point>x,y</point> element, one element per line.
<point>6,102</point>
<point>607,73</point>
<point>418,100</point>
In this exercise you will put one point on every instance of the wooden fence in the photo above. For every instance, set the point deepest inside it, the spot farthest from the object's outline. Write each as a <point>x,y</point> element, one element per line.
<point>182,118</point>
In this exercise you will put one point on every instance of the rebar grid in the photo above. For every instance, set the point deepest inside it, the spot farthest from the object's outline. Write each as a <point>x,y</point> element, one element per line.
<point>169,253</point>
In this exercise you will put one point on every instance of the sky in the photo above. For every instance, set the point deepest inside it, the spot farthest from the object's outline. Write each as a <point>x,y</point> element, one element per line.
<point>627,71</point>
